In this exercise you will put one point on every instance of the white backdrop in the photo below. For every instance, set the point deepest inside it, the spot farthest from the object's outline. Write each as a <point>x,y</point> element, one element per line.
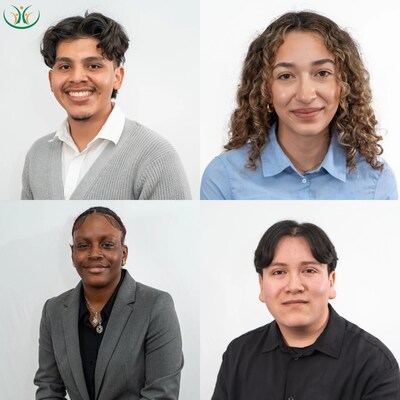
<point>160,89</point>
<point>229,26</point>
<point>36,264</point>
<point>366,236</point>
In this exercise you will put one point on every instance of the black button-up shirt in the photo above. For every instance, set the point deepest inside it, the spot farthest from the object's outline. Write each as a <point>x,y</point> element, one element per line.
<point>345,363</point>
<point>90,340</point>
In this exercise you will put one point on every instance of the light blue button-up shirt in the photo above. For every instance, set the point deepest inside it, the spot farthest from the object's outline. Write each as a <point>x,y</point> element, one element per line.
<point>276,178</point>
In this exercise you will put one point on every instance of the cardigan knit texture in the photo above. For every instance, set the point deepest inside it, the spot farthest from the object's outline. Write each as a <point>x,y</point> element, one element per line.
<point>141,166</point>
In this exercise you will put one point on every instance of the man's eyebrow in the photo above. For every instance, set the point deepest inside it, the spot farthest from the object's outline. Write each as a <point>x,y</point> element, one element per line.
<point>310,263</point>
<point>63,59</point>
<point>283,264</point>
<point>292,65</point>
<point>87,59</point>
<point>94,58</point>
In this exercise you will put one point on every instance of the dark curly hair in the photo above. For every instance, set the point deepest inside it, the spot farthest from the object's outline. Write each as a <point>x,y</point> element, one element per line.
<point>320,245</point>
<point>113,40</point>
<point>354,120</point>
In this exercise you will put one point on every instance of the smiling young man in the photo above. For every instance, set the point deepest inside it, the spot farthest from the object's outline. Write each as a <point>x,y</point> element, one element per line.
<point>96,153</point>
<point>308,351</point>
<point>110,338</point>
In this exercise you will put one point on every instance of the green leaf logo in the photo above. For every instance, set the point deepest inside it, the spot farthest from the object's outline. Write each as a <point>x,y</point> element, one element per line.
<point>21,18</point>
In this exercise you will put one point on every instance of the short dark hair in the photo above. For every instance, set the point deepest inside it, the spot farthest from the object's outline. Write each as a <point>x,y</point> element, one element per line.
<point>110,215</point>
<point>320,245</point>
<point>113,40</point>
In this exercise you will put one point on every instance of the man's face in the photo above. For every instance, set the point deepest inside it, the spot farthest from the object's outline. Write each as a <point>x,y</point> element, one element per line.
<point>82,80</point>
<point>296,287</point>
<point>97,252</point>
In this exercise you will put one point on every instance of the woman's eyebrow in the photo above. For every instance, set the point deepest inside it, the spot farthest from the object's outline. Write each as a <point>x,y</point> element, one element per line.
<point>292,65</point>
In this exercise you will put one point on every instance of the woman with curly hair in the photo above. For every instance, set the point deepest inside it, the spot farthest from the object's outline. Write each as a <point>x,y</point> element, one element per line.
<point>304,127</point>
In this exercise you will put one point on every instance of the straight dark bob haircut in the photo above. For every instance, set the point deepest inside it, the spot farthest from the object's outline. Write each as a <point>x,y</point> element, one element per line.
<point>320,245</point>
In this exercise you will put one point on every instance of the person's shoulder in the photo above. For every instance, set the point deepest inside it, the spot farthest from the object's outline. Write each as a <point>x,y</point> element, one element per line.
<point>234,161</point>
<point>235,156</point>
<point>42,143</point>
<point>382,181</point>
<point>150,294</point>
<point>143,138</point>
<point>386,171</point>
<point>54,303</point>
<point>368,343</point>
<point>361,162</point>
<point>225,172</point>
<point>250,339</point>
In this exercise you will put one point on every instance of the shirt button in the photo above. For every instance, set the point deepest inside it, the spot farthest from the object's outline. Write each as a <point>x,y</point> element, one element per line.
<point>304,180</point>
<point>296,358</point>
<point>290,398</point>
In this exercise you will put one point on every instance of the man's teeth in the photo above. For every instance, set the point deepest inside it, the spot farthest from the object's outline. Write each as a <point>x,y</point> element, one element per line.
<point>80,94</point>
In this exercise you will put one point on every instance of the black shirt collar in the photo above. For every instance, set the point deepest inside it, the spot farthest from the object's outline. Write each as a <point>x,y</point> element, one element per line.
<point>329,342</point>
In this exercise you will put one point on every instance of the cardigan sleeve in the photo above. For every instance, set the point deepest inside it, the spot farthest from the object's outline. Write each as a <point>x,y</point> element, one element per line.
<point>164,179</point>
<point>26,193</point>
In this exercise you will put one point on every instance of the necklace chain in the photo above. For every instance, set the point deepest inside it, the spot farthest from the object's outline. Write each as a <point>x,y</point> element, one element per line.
<point>304,171</point>
<point>96,320</point>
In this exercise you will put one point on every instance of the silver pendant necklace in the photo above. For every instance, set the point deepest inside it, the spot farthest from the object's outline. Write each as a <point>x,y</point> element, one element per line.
<point>96,320</point>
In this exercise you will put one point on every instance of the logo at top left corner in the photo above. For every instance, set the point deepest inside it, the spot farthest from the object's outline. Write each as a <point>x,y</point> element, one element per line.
<point>21,17</point>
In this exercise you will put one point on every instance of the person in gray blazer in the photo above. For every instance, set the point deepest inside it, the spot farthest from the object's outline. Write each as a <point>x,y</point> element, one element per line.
<point>110,338</point>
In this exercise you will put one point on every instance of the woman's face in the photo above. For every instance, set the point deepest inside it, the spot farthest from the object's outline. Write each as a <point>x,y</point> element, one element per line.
<point>98,252</point>
<point>304,88</point>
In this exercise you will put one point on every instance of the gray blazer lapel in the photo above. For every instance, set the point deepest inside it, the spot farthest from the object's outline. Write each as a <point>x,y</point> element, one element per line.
<point>121,311</point>
<point>70,326</point>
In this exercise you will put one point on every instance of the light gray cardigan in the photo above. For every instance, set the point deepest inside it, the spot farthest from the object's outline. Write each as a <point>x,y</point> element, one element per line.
<point>141,166</point>
<point>140,356</point>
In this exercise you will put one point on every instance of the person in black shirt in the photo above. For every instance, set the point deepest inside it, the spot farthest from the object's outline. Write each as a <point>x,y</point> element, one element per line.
<point>308,352</point>
<point>110,338</point>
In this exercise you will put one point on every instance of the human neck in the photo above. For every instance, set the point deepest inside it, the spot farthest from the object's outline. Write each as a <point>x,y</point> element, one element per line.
<point>83,132</point>
<point>305,152</point>
<point>303,337</point>
<point>98,297</point>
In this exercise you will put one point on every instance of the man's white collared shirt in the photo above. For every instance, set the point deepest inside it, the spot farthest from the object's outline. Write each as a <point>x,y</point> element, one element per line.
<point>76,164</point>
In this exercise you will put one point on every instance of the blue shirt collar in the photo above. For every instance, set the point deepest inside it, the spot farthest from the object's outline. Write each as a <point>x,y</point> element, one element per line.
<point>274,160</point>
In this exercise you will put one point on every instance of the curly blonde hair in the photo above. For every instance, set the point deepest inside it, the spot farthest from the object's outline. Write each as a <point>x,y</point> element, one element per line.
<point>354,120</point>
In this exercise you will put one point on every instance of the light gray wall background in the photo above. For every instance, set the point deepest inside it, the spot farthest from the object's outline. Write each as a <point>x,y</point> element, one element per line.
<point>160,89</point>
<point>366,237</point>
<point>229,26</point>
<point>36,264</point>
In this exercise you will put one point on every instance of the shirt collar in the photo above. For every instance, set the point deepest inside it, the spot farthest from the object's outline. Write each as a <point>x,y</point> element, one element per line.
<point>111,130</point>
<point>273,339</point>
<point>335,162</point>
<point>331,339</point>
<point>329,342</point>
<point>274,160</point>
